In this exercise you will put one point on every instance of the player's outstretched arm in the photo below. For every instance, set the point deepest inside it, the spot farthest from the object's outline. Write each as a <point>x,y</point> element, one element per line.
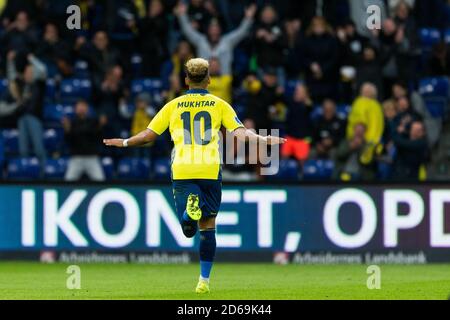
<point>244,134</point>
<point>138,140</point>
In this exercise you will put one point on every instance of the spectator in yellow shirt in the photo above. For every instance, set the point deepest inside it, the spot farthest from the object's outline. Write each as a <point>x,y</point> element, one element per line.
<point>221,84</point>
<point>367,110</point>
<point>142,116</point>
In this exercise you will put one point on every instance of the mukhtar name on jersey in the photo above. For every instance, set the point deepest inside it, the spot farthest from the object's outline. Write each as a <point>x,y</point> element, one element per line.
<point>196,104</point>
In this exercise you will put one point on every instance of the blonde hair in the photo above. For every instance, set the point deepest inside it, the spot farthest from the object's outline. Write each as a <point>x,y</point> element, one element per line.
<point>197,70</point>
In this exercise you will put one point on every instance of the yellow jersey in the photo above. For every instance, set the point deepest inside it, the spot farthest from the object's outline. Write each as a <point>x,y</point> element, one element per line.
<point>194,121</point>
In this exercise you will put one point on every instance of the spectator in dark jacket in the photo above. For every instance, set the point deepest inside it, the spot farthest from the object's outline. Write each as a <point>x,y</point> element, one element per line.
<point>412,151</point>
<point>298,125</point>
<point>405,114</point>
<point>54,51</point>
<point>83,137</point>
<point>100,55</point>
<point>268,40</point>
<point>20,36</point>
<point>349,157</point>
<point>153,30</point>
<point>329,130</point>
<point>30,94</point>
<point>262,102</point>
<point>294,41</point>
<point>108,98</point>
<point>320,58</point>
<point>369,70</point>
<point>439,64</point>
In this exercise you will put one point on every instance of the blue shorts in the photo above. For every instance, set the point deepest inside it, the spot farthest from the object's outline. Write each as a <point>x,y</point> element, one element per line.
<point>209,192</point>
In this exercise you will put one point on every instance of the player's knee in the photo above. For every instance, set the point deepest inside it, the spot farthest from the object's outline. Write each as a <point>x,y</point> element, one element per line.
<point>207,223</point>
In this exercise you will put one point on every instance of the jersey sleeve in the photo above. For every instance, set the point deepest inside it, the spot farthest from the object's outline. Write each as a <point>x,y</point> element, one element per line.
<point>230,119</point>
<point>161,121</point>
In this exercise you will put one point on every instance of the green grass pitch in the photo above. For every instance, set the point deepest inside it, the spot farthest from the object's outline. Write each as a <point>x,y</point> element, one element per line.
<point>20,280</point>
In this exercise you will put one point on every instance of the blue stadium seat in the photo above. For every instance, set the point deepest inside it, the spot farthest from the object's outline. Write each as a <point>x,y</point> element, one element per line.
<point>108,167</point>
<point>152,86</point>
<point>3,86</point>
<point>74,89</point>
<point>54,113</point>
<point>316,113</point>
<point>55,168</point>
<point>81,69</point>
<point>23,169</point>
<point>288,171</point>
<point>438,87</point>
<point>54,139</point>
<point>161,169</point>
<point>429,36</point>
<point>318,170</point>
<point>290,87</point>
<point>133,169</point>
<point>436,107</point>
<point>136,65</point>
<point>447,36</point>
<point>2,153</point>
<point>343,110</point>
<point>241,111</point>
<point>11,141</point>
<point>51,89</point>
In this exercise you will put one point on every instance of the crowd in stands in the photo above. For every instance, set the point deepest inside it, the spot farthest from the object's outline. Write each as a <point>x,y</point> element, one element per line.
<point>355,104</point>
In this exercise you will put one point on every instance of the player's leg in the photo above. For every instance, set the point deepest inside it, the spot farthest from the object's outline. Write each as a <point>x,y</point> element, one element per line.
<point>207,227</point>
<point>211,196</point>
<point>187,199</point>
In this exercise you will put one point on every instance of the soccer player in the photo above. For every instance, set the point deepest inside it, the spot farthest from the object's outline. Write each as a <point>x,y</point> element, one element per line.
<point>194,121</point>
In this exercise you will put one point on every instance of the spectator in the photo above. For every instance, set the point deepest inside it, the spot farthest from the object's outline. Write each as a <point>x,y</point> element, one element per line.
<point>111,92</point>
<point>214,44</point>
<point>294,42</point>
<point>396,44</point>
<point>439,63</point>
<point>408,40</point>
<point>367,110</point>
<point>351,162</point>
<point>262,101</point>
<point>320,58</point>
<point>101,56</point>
<point>369,69</point>
<point>405,114</point>
<point>390,113</point>
<point>200,13</point>
<point>351,43</point>
<point>221,84</point>
<point>20,36</point>
<point>298,125</point>
<point>54,51</point>
<point>173,74</point>
<point>412,151</point>
<point>29,94</point>
<point>10,106</point>
<point>153,31</point>
<point>142,116</point>
<point>83,138</point>
<point>269,42</point>
<point>328,130</point>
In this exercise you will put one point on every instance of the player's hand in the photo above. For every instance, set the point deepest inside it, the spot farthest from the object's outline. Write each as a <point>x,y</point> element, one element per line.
<point>272,140</point>
<point>113,143</point>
